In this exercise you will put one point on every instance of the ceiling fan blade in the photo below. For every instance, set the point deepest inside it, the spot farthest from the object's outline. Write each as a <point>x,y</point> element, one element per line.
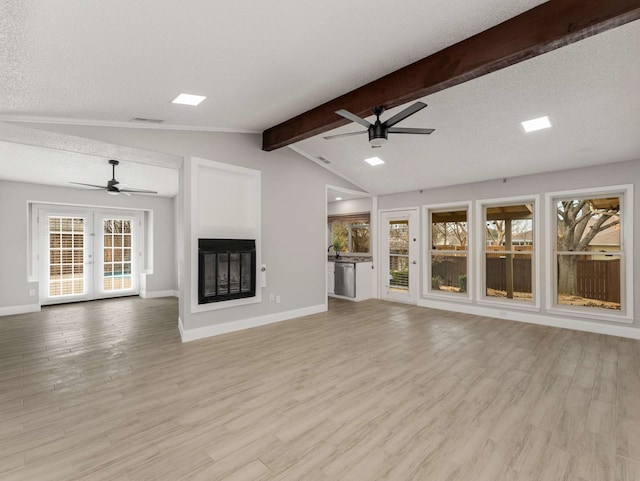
<point>90,185</point>
<point>137,191</point>
<point>404,114</point>
<point>353,117</point>
<point>409,130</point>
<point>348,134</point>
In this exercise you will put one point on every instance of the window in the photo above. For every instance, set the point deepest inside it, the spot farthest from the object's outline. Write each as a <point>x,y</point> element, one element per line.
<point>508,246</point>
<point>117,254</point>
<point>350,233</point>
<point>448,252</point>
<point>589,257</point>
<point>399,255</point>
<point>66,255</point>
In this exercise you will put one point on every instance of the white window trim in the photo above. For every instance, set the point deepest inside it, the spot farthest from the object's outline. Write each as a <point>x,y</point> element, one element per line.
<point>95,217</point>
<point>143,216</point>
<point>350,226</point>
<point>426,265</point>
<point>380,254</point>
<point>626,247</point>
<point>534,305</point>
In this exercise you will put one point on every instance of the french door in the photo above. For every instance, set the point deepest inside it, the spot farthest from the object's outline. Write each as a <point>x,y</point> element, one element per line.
<point>87,255</point>
<point>400,252</point>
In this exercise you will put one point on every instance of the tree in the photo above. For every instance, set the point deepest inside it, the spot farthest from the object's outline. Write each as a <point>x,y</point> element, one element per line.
<point>449,233</point>
<point>496,233</point>
<point>579,221</point>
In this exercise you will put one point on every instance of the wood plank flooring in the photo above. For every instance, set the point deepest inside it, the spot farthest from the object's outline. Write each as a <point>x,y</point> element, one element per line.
<point>368,391</point>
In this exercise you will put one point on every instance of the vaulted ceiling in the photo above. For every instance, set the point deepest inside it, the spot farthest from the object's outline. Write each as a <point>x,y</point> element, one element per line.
<point>261,63</point>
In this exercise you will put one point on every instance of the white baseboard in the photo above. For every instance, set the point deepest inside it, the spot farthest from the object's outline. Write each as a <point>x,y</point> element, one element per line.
<point>541,319</point>
<point>11,310</point>
<point>154,294</point>
<point>232,326</point>
<point>181,328</point>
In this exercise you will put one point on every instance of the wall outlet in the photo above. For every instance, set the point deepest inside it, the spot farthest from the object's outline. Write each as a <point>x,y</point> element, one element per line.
<point>32,292</point>
<point>277,299</point>
<point>271,297</point>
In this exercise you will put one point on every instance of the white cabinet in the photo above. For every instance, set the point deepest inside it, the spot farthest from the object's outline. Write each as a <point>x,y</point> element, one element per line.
<point>364,280</point>
<point>331,277</point>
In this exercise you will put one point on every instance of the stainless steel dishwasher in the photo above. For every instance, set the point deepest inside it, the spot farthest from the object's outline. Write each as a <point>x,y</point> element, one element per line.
<point>345,279</point>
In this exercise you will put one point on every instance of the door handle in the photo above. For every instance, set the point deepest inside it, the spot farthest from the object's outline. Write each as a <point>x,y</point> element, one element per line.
<point>414,262</point>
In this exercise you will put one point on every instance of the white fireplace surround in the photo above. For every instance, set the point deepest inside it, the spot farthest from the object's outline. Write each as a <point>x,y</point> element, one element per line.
<point>225,201</point>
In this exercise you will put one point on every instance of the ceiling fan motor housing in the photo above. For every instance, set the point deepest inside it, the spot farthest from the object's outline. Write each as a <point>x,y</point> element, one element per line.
<point>378,133</point>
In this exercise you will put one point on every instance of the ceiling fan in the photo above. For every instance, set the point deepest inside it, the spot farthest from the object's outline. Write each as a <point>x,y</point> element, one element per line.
<point>379,131</point>
<point>114,187</point>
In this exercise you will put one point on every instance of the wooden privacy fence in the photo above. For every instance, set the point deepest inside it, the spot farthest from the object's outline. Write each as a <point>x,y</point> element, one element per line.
<point>449,270</point>
<point>497,274</point>
<point>597,279</point>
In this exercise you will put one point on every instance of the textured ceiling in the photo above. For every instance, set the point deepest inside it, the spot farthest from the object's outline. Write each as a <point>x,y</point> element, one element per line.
<point>260,63</point>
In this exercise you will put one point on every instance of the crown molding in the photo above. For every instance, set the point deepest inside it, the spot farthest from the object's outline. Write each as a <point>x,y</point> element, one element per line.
<point>120,124</point>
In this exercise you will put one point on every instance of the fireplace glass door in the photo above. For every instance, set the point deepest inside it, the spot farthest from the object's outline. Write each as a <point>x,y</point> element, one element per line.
<point>226,269</point>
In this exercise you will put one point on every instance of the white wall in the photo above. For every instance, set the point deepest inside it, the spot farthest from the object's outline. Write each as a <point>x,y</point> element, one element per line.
<point>14,248</point>
<point>539,184</point>
<point>351,206</point>
<point>293,218</point>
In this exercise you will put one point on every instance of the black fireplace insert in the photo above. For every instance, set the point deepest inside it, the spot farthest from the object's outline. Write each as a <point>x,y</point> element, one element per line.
<point>226,269</point>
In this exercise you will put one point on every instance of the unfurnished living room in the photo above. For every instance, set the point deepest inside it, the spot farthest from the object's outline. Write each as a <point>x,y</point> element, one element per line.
<point>322,241</point>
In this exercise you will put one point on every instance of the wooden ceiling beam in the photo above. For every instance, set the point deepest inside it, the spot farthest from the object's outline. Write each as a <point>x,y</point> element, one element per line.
<point>549,26</point>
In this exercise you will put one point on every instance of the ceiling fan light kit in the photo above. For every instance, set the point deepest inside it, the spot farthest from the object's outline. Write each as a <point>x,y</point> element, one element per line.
<point>114,187</point>
<point>379,131</point>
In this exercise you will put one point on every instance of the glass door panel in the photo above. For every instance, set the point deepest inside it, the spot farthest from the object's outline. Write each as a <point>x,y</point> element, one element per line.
<point>69,243</point>
<point>118,271</point>
<point>400,253</point>
<point>64,258</point>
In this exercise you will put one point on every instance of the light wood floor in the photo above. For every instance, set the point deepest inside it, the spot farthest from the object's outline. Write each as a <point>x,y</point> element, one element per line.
<point>368,391</point>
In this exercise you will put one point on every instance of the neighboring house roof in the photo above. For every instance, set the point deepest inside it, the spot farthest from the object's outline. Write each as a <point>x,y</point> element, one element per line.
<point>607,237</point>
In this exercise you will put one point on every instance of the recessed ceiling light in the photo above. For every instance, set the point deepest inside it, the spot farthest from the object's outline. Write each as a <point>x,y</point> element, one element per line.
<point>374,161</point>
<point>536,124</point>
<point>338,198</point>
<point>188,99</point>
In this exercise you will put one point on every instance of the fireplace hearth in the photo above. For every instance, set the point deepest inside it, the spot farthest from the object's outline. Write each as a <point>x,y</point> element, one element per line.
<point>226,269</point>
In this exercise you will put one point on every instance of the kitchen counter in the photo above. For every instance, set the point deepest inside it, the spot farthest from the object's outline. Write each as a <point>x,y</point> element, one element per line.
<point>349,259</point>
<point>361,267</point>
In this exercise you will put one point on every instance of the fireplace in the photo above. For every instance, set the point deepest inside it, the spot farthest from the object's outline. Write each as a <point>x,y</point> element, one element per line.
<point>226,269</point>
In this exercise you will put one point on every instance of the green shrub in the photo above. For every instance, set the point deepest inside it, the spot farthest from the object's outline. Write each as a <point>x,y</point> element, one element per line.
<point>436,282</point>
<point>399,278</point>
<point>462,283</point>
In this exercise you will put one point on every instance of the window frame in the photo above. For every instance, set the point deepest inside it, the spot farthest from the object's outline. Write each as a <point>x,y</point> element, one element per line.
<point>350,226</point>
<point>625,315</point>
<point>427,234</point>
<point>481,290</point>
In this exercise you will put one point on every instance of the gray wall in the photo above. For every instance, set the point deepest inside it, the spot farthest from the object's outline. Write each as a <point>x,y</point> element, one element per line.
<point>14,251</point>
<point>588,177</point>
<point>293,212</point>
